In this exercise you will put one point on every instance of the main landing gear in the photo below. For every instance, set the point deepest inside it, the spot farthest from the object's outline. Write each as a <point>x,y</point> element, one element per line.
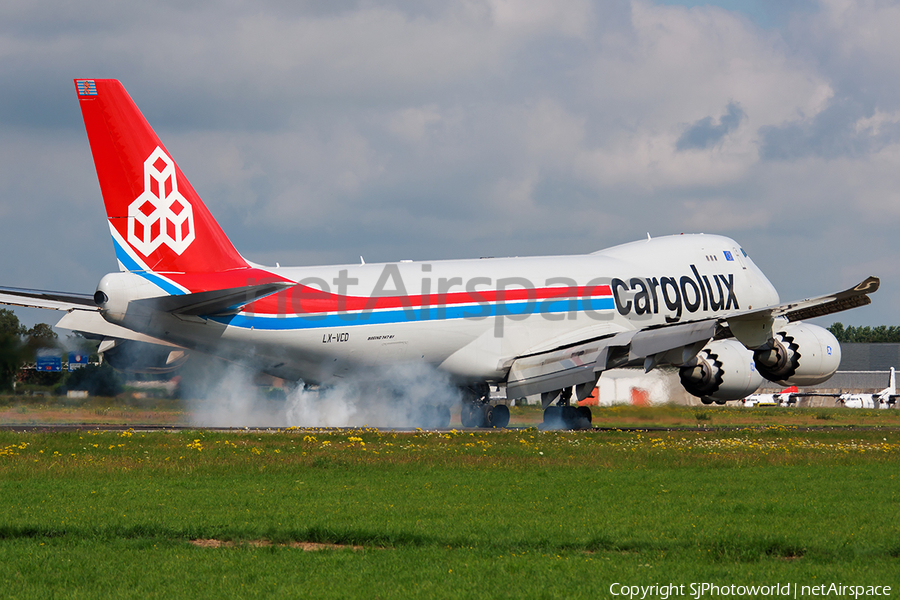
<point>477,410</point>
<point>564,415</point>
<point>431,416</point>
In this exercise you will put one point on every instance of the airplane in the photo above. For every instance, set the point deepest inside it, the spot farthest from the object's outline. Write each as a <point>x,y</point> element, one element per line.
<point>886,398</point>
<point>783,398</point>
<point>548,325</point>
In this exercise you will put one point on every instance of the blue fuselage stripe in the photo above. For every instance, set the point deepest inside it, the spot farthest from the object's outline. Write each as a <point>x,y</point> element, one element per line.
<point>409,315</point>
<point>246,320</point>
<point>131,265</point>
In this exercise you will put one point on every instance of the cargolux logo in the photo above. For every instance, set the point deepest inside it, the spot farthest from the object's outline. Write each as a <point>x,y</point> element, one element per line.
<point>678,294</point>
<point>160,215</point>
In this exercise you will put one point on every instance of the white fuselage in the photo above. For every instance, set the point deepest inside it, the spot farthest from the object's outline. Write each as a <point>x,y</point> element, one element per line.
<point>449,314</point>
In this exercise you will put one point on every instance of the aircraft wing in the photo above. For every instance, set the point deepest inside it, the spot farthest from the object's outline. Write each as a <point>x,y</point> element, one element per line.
<point>581,362</point>
<point>856,296</point>
<point>810,308</point>
<point>45,299</point>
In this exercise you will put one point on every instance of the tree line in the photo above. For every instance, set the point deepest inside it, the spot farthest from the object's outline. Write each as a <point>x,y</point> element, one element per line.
<point>881,334</point>
<point>20,345</point>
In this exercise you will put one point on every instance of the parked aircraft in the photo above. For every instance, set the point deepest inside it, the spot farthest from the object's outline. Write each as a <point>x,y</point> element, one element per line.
<point>549,325</point>
<point>785,397</point>
<point>883,399</point>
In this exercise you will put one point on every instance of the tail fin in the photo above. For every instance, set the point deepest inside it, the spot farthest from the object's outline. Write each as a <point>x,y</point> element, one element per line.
<point>892,386</point>
<point>157,220</point>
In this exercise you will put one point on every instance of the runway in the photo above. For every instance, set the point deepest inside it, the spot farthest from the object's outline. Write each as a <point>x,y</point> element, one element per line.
<point>152,428</point>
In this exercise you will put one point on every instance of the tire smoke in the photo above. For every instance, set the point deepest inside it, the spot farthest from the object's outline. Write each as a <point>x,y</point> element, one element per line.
<point>404,395</point>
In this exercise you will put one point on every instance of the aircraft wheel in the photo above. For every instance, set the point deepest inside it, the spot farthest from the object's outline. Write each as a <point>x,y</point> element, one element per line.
<point>570,417</point>
<point>423,416</point>
<point>553,417</point>
<point>705,400</point>
<point>442,417</point>
<point>499,416</point>
<point>437,419</point>
<point>487,415</point>
<point>471,414</point>
<point>585,417</point>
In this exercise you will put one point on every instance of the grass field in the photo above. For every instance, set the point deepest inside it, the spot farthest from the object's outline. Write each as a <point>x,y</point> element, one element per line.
<point>520,513</point>
<point>23,410</point>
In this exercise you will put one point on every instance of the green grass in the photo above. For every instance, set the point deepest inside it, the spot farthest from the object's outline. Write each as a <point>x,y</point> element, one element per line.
<point>128,410</point>
<point>509,514</point>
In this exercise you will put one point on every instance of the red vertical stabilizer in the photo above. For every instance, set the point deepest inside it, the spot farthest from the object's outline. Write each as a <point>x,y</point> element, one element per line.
<point>157,220</point>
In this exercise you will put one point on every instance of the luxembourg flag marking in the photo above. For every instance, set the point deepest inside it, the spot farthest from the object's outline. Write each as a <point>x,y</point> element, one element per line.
<point>86,87</point>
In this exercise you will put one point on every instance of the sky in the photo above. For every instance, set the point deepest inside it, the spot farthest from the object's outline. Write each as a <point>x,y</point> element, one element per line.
<point>317,132</point>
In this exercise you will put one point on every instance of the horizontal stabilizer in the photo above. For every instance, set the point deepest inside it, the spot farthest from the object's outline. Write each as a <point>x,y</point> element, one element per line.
<point>94,326</point>
<point>213,302</point>
<point>45,299</point>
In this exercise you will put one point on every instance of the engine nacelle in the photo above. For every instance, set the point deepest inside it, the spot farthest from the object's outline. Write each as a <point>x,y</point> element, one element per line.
<point>800,354</point>
<point>723,370</point>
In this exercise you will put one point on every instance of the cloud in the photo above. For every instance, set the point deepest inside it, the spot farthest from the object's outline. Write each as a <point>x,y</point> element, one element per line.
<point>854,47</point>
<point>705,134</point>
<point>318,132</point>
<point>571,19</point>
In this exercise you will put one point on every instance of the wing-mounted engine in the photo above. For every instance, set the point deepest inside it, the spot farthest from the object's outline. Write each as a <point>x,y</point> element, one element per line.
<point>800,354</point>
<point>139,357</point>
<point>723,370</point>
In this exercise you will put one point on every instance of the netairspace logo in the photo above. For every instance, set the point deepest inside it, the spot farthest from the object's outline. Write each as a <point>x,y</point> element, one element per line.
<point>777,590</point>
<point>407,293</point>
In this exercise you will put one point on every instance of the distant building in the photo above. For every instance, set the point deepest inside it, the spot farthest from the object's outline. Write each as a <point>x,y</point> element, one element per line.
<point>869,357</point>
